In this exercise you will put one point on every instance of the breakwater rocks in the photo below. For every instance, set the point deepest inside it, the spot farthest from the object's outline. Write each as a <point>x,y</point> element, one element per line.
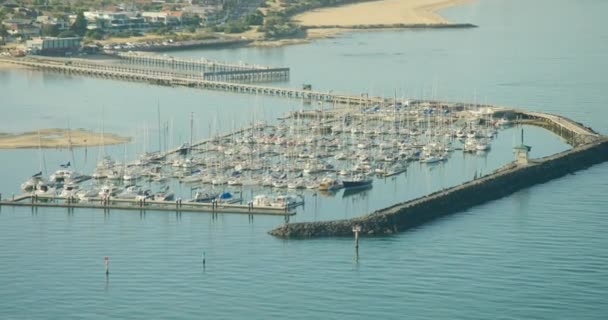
<point>502,182</point>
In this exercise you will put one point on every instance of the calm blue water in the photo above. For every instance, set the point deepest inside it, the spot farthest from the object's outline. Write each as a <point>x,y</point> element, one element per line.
<point>538,254</point>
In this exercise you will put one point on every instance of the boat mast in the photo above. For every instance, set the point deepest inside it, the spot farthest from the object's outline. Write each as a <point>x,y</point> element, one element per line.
<point>191,129</point>
<point>70,144</point>
<point>160,148</point>
<point>41,154</point>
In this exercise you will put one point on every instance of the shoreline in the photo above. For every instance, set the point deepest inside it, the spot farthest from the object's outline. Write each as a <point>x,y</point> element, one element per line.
<point>379,12</point>
<point>58,138</point>
<point>5,65</point>
<point>328,22</point>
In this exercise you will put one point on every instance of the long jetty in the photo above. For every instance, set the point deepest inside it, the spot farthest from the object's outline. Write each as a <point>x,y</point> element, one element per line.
<point>172,78</point>
<point>589,149</point>
<point>29,200</point>
<point>208,69</point>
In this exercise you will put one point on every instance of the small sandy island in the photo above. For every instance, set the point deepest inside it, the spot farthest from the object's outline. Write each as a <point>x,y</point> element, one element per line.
<point>378,13</point>
<point>58,138</point>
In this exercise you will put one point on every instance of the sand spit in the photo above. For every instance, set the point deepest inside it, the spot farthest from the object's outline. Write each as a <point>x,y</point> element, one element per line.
<point>58,138</point>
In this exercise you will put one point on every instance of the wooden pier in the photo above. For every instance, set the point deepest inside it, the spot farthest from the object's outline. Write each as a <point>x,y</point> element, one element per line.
<point>207,69</point>
<point>28,200</point>
<point>203,65</point>
<point>178,79</point>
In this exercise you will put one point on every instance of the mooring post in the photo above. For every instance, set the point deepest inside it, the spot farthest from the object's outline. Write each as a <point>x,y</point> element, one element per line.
<point>107,261</point>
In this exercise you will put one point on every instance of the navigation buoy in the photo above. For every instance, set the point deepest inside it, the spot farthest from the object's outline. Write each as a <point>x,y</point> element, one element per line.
<point>107,260</point>
<point>356,230</point>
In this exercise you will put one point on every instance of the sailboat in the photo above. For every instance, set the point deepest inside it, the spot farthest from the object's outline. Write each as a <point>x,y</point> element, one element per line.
<point>36,179</point>
<point>395,169</point>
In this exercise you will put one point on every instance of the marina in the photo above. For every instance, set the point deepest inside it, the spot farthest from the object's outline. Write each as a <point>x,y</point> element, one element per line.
<point>276,165</point>
<point>346,145</point>
<point>527,245</point>
<point>273,164</point>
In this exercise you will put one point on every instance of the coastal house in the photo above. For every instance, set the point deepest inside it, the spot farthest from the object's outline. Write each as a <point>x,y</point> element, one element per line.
<point>60,23</point>
<point>114,21</point>
<point>209,14</point>
<point>167,18</point>
<point>22,27</point>
<point>26,12</point>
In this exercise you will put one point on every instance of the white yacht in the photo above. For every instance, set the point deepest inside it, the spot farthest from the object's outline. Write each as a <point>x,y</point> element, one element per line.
<point>64,174</point>
<point>44,189</point>
<point>262,200</point>
<point>285,201</point>
<point>30,184</point>
<point>69,190</point>
<point>108,191</point>
<point>329,184</point>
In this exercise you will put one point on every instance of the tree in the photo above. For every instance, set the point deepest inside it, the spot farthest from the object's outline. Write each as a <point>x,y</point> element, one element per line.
<point>235,27</point>
<point>255,19</point>
<point>3,31</point>
<point>80,24</point>
<point>96,34</point>
<point>49,30</point>
<point>191,19</point>
<point>67,34</point>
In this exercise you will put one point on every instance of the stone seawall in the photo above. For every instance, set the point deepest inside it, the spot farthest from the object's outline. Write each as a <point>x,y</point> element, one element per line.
<point>502,182</point>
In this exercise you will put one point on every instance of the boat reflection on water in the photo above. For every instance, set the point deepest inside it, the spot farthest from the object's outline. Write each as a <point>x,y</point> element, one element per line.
<point>354,191</point>
<point>327,193</point>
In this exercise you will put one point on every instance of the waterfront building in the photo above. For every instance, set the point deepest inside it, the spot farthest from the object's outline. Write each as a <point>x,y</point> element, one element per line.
<point>114,21</point>
<point>54,46</point>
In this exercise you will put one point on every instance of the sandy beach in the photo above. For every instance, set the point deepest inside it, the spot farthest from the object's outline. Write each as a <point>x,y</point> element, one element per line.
<point>58,138</point>
<point>4,65</point>
<point>335,20</point>
<point>378,12</point>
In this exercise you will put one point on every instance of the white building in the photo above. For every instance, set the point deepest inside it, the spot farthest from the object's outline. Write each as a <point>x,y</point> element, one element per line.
<point>114,21</point>
<point>165,18</point>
